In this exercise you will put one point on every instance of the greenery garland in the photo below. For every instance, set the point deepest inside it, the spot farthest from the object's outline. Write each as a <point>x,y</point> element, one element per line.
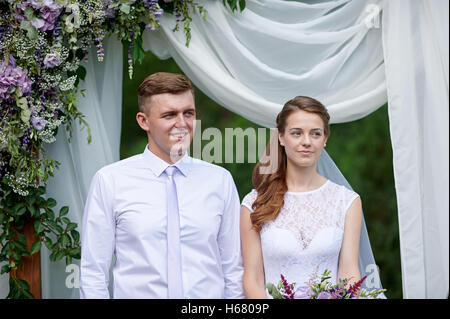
<point>43,45</point>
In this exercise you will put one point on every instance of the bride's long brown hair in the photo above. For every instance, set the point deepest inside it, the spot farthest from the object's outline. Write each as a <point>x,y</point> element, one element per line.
<point>269,174</point>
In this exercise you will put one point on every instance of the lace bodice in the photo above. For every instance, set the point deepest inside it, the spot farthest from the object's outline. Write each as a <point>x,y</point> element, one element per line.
<point>306,236</point>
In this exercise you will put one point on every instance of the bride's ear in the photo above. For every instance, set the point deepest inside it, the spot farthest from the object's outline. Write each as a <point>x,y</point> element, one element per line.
<point>281,139</point>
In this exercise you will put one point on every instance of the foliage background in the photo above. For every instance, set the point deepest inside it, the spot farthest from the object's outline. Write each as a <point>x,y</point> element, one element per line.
<point>361,149</point>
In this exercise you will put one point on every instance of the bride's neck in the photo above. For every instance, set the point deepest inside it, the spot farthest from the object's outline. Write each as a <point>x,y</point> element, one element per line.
<point>302,179</point>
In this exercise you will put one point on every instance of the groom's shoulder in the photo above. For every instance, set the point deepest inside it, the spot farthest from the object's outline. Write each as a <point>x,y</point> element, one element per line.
<point>117,167</point>
<point>207,168</point>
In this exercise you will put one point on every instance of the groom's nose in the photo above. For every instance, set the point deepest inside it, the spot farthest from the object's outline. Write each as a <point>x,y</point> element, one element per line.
<point>180,121</point>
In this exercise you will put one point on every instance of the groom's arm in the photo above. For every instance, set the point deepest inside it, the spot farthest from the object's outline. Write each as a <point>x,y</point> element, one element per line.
<point>97,241</point>
<point>230,242</point>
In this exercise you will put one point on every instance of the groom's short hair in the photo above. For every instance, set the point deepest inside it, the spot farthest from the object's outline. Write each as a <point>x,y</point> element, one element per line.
<point>162,82</point>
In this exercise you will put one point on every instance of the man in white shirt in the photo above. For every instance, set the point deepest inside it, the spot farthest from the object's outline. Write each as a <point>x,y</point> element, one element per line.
<point>131,206</point>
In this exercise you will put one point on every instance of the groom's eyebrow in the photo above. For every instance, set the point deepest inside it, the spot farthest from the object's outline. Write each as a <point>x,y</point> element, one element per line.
<point>191,109</point>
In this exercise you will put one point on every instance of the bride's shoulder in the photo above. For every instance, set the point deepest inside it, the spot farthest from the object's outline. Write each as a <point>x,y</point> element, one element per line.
<point>347,192</point>
<point>249,199</point>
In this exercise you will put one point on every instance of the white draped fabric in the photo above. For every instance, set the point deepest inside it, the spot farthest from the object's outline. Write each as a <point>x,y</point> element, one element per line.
<point>338,52</point>
<point>415,41</point>
<point>253,62</point>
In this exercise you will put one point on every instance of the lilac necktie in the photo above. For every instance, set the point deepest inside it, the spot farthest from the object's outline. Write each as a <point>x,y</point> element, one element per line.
<point>174,279</point>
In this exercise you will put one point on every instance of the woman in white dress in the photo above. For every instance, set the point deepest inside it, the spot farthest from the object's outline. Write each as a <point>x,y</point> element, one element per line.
<point>296,222</point>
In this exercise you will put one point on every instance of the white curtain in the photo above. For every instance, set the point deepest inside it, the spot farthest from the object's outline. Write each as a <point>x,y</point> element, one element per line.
<point>415,41</point>
<point>252,62</point>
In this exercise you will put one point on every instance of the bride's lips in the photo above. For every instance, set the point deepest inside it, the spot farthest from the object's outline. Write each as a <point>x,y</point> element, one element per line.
<point>305,152</point>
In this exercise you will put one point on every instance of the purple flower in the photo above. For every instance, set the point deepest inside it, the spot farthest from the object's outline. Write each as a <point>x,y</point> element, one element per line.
<point>38,123</point>
<point>12,77</point>
<point>109,12</point>
<point>51,60</point>
<point>158,13</point>
<point>324,295</point>
<point>23,83</point>
<point>46,12</point>
<point>38,23</point>
<point>302,292</point>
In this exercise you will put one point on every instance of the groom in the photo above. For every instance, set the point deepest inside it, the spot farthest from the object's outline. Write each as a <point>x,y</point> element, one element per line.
<point>172,221</point>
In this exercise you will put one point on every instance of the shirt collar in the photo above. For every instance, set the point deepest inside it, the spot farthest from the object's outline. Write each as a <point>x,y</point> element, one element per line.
<point>158,165</point>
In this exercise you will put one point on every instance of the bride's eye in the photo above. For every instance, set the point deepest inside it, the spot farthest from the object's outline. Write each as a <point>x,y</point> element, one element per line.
<point>295,133</point>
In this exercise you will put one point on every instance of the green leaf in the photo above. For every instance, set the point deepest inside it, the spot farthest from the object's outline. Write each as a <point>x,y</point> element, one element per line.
<point>29,13</point>
<point>31,31</point>
<point>50,213</point>
<point>20,209</point>
<point>65,240</point>
<point>5,269</point>
<point>65,220</point>
<point>48,243</point>
<point>51,202</point>
<point>125,8</point>
<point>34,211</point>
<point>38,226</point>
<point>71,226</point>
<point>21,239</point>
<point>81,72</point>
<point>59,255</point>
<point>75,235</point>
<point>138,53</point>
<point>242,5</point>
<point>35,247</point>
<point>63,211</point>
<point>22,103</point>
<point>79,54</point>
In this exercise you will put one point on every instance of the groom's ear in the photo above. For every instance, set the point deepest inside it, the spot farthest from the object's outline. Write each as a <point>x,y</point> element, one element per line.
<point>142,120</point>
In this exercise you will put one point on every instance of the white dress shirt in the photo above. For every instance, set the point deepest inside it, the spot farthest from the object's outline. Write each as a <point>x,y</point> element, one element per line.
<point>125,215</point>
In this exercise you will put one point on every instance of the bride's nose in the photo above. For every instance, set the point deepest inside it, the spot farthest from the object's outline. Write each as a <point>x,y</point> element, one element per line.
<point>305,140</point>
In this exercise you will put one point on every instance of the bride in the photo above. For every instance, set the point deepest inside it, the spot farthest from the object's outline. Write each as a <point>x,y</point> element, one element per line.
<point>295,222</point>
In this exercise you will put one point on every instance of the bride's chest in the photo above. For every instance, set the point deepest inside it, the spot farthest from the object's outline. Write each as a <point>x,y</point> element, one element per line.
<point>299,230</point>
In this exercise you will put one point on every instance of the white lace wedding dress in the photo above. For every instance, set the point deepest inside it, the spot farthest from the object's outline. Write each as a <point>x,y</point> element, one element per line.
<point>307,234</point>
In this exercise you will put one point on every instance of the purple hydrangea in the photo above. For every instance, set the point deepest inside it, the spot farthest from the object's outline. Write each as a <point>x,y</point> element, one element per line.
<point>51,60</point>
<point>109,12</point>
<point>12,77</point>
<point>38,123</point>
<point>48,10</point>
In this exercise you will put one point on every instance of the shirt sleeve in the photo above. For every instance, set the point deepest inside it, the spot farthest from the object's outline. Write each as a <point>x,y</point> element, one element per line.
<point>97,240</point>
<point>229,241</point>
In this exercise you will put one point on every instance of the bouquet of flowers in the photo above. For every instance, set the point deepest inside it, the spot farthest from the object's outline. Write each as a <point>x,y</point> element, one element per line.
<point>322,289</point>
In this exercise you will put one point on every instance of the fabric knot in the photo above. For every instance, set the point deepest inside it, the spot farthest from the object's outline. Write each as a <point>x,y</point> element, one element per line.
<point>170,170</point>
